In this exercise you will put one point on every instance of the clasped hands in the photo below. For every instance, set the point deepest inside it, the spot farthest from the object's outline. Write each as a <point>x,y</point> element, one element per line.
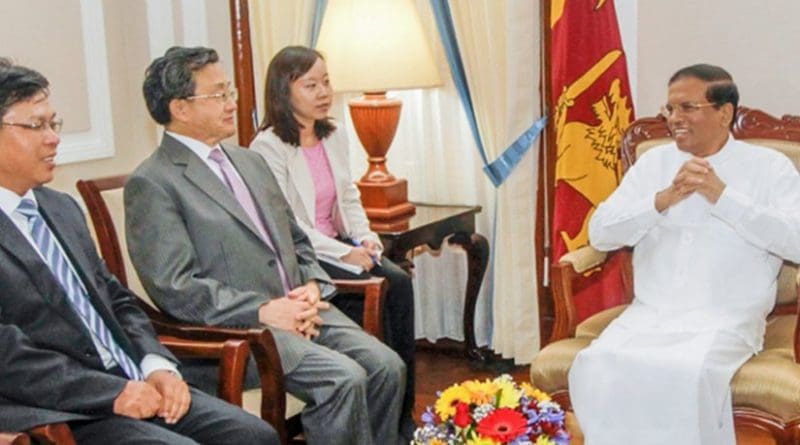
<point>297,312</point>
<point>363,255</point>
<point>695,176</point>
<point>163,393</point>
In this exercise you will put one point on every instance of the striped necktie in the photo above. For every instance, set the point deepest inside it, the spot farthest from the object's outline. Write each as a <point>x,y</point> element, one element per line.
<point>57,261</point>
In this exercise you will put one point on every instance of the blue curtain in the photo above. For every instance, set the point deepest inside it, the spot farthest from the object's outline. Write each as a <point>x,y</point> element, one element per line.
<point>499,169</point>
<point>319,11</point>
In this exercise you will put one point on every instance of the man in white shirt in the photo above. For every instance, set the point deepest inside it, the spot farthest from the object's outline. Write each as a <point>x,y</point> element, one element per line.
<point>75,345</point>
<point>710,220</point>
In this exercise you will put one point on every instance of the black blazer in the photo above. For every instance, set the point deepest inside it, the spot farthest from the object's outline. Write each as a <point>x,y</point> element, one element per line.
<point>50,370</point>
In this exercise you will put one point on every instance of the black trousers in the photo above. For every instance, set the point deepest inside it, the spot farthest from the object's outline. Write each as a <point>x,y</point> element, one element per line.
<point>209,420</point>
<point>398,314</point>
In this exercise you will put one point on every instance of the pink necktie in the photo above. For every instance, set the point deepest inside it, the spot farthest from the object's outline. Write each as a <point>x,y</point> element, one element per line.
<point>242,195</point>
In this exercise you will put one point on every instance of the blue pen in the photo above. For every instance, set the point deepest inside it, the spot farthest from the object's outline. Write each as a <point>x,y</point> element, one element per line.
<point>374,258</point>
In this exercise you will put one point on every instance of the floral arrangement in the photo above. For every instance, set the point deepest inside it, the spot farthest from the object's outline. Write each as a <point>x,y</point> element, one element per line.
<point>492,412</point>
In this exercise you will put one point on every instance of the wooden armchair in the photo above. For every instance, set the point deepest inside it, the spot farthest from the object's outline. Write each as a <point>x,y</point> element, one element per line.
<point>766,389</point>
<point>232,354</point>
<point>54,434</point>
<point>271,402</point>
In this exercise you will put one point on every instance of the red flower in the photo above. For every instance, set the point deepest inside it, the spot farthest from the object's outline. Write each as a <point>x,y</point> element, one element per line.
<point>503,425</point>
<point>462,418</point>
<point>549,428</point>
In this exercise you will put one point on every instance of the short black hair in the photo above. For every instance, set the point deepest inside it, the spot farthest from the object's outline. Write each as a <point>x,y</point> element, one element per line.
<point>288,65</point>
<point>171,77</point>
<point>721,87</point>
<point>18,84</point>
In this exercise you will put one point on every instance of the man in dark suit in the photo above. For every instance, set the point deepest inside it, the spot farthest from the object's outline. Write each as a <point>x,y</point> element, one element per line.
<point>214,241</point>
<point>75,346</point>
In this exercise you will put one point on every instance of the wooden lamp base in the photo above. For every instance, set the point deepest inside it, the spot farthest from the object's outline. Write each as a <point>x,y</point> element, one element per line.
<point>385,198</point>
<point>386,204</point>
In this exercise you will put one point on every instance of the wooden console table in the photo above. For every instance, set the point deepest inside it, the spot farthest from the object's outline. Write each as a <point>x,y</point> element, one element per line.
<point>429,226</point>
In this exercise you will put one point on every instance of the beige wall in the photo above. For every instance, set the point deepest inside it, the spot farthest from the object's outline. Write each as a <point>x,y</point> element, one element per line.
<point>57,50</point>
<point>757,41</point>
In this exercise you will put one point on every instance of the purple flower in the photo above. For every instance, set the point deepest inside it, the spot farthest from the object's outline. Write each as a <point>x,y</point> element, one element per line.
<point>428,417</point>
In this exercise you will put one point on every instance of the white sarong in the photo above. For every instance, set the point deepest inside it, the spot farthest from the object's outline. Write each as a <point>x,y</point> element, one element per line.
<point>635,385</point>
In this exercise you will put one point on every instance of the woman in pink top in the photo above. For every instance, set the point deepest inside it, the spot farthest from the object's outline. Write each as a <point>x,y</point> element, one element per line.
<point>309,157</point>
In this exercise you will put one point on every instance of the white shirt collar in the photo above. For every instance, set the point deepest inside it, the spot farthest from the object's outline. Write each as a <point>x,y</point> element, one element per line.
<point>197,147</point>
<point>9,201</point>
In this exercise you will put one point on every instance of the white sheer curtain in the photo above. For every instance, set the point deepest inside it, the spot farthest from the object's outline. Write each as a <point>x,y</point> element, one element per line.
<point>275,24</point>
<point>499,44</point>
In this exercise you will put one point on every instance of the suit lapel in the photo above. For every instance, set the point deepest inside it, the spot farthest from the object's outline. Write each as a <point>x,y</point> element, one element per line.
<point>262,195</point>
<point>199,174</point>
<point>340,169</point>
<point>303,183</point>
<point>50,290</point>
<point>52,213</point>
<point>16,246</point>
<point>267,195</point>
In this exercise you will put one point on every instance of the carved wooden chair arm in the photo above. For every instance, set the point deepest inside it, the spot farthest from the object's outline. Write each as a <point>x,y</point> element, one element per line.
<point>374,290</point>
<point>565,274</point>
<point>583,259</point>
<point>53,434</point>
<point>232,355</point>
<point>797,323</point>
<point>7,438</point>
<point>265,351</point>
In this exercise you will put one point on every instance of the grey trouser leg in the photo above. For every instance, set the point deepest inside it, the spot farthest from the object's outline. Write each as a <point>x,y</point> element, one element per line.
<point>352,385</point>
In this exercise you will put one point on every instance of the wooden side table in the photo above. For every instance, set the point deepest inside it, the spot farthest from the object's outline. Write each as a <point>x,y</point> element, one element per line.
<point>429,226</point>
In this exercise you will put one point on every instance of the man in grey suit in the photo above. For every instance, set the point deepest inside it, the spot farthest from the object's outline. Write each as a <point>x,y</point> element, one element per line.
<point>214,241</point>
<point>75,345</point>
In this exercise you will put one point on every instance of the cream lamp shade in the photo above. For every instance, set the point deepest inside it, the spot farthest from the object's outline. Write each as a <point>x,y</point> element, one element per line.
<point>374,46</point>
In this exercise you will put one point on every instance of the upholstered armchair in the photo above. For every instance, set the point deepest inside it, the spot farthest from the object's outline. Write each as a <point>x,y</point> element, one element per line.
<point>766,389</point>
<point>103,198</point>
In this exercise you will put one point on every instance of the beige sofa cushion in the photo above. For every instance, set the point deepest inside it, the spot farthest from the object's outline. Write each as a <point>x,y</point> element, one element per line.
<point>595,324</point>
<point>550,367</point>
<point>769,382</point>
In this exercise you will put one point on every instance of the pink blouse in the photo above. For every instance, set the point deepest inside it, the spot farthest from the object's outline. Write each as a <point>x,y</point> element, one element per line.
<point>324,187</point>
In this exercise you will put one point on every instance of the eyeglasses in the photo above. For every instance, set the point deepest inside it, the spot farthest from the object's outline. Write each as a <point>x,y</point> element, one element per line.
<point>685,108</point>
<point>55,125</point>
<point>224,96</point>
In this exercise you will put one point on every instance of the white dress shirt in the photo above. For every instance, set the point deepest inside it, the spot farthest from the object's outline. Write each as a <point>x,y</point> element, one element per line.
<point>702,266</point>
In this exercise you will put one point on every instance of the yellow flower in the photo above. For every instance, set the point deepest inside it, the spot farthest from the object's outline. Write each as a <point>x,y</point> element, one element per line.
<point>509,395</point>
<point>542,440</point>
<point>481,392</point>
<point>534,393</point>
<point>479,440</point>
<point>436,441</point>
<point>446,405</point>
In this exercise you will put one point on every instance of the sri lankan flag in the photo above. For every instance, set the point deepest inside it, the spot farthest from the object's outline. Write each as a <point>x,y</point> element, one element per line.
<point>591,97</point>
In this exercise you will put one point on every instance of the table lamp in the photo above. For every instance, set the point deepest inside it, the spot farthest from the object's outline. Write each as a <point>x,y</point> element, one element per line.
<point>374,46</point>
